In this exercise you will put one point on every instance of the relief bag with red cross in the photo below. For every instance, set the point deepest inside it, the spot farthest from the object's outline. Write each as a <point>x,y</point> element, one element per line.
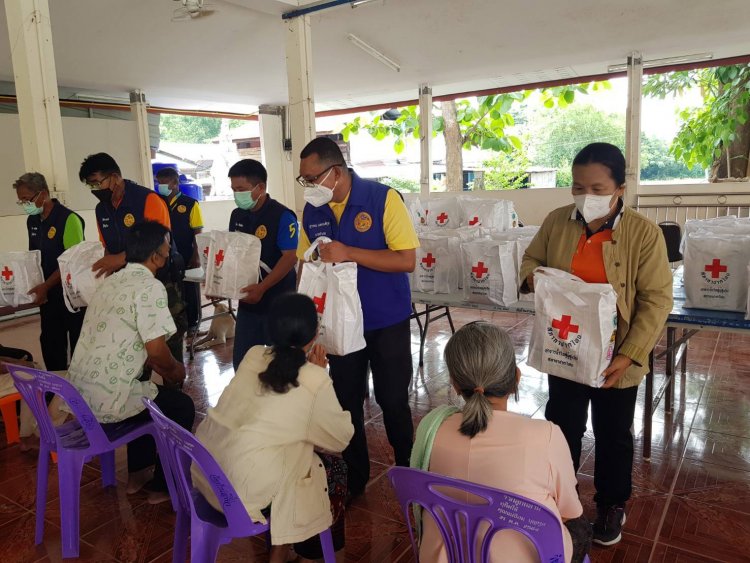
<point>333,289</point>
<point>79,281</point>
<point>19,272</point>
<point>575,325</point>
<point>715,273</point>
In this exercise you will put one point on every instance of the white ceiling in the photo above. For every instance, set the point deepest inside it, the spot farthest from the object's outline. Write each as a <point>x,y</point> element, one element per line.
<point>233,60</point>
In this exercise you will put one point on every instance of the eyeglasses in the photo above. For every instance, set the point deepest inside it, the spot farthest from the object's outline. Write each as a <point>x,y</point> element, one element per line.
<point>97,185</point>
<point>310,182</point>
<point>19,202</point>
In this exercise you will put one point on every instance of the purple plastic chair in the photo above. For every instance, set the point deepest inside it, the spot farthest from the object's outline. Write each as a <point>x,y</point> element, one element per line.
<point>75,443</point>
<point>209,528</point>
<point>464,525</point>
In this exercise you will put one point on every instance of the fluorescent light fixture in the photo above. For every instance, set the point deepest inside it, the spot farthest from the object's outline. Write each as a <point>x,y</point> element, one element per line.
<point>682,59</point>
<point>360,3</point>
<point>374,53</point>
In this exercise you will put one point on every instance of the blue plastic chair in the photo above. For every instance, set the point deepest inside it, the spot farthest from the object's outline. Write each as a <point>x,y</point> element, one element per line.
<point>75,443</point>
<point>464,525</point>
<point>209,528</point>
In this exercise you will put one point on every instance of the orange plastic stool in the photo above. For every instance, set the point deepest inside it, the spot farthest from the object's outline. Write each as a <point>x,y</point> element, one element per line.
<point>10,418</point>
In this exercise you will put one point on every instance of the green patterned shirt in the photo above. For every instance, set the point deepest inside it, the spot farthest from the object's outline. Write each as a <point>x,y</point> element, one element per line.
<point>128,310</point>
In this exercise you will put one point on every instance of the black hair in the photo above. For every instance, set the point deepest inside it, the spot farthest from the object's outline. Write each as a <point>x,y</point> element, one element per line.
<point>142,240</point>
<point>327,150</point>
<point>99,162</point>
<point>605,154</point>
<point>292,324</point>
<point>250,169</point>
<point>168,174</point>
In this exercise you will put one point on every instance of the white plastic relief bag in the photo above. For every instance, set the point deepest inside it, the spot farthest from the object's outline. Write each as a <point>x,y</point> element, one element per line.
<point>333,289</point>
<point>438,266</point>
<point>232,264</point>
<point>442,212</point>
<point>203,242</point>
<point>715,273</point>
<point>488,275</point>
<point>482,212</point>
<point>20,271</point>
<point>575,326</point>
<point>416,210</point>
<point>79,281</point>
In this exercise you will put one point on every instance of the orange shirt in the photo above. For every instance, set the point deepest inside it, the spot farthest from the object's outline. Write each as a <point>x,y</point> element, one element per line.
<point>588,260</point>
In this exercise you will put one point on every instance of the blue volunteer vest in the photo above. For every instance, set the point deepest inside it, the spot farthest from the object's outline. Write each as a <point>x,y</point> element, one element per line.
<point>114,223</point>
<point>46,235</point>
<point>385,297</point>
<point>264,224</point>
<point>179,215</point>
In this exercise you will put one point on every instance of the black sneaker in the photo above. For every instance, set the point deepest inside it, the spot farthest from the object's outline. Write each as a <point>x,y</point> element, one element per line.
<point>608,525</point>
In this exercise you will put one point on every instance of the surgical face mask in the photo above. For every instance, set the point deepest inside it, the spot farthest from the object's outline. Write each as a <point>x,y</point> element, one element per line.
<point>104,195</point>
<point>244,200</point>
<point>319,195</point>
<point>30,208</point>
<point>163,189</point>
<point>593,207</point>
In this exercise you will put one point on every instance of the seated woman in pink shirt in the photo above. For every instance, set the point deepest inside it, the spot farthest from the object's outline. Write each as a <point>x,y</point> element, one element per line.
<point>486,444</point>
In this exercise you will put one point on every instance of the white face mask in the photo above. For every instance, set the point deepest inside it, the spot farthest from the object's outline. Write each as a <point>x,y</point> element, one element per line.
<point>318,195</point>
<point>593,207</point>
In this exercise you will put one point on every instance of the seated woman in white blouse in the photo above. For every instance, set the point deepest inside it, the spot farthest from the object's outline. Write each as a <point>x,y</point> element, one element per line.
<point>263,431</point>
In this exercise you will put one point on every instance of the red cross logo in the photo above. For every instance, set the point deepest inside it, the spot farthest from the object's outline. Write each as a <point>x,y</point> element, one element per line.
<point>320,303</point>
<point>715,268</point>
<point>67,279</point>
<point>219,258</point>
<point>205,252</point>
<point>7,274</point>
<point>479,270</point>
<point>442,218</point>
<point>428,260</point>
<point>474,221</point>
<point>564,327</point>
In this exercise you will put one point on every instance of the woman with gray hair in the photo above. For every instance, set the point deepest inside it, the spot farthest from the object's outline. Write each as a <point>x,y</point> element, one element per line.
<point>484,443</point>
<point>53,228</point>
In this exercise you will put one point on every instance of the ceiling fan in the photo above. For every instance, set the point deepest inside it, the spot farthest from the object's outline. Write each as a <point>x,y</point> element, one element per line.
<point>192,9</point>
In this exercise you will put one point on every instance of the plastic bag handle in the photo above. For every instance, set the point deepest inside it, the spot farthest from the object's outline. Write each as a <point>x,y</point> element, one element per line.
<point>314,247</point>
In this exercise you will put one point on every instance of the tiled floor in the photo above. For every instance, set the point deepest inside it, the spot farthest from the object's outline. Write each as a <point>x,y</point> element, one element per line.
<point>691,500</point>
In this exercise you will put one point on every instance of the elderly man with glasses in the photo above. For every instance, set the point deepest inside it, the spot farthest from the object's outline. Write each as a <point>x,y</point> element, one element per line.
<point>370,225</point>
<point>122,205</point>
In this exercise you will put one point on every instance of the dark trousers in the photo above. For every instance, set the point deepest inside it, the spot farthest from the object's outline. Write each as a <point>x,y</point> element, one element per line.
<point>60,331</point>
<point>388,354</point>
<point>191,293</point>
<point>612,412</point>
<point>176,406</point>
<point>251,330</point>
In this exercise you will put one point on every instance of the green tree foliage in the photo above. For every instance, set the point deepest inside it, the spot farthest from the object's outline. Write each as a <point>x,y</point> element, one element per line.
<point>506,171</point>
<point>190,129</point>
<point>401,184</point>
<point>715,135</point>
<point>561,134</point>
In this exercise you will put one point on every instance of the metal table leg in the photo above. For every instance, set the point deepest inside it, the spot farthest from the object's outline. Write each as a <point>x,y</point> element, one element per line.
<point>648,408</point>
<point>669,372</point>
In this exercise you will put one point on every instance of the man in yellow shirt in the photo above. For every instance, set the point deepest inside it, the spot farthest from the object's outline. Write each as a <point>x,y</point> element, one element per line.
<point>370,225</point>
<point>187,221</point>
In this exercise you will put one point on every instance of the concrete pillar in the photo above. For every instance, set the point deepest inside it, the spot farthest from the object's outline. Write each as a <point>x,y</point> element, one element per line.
<point>35,79</point>
<point>425,139</point>
<point>300,80</point>
<point>633,129</point>
<point>277,160</point>
<point>138,113</point>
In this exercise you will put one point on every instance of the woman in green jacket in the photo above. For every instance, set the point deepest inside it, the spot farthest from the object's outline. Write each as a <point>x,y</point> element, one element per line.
<point>601,240</point>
